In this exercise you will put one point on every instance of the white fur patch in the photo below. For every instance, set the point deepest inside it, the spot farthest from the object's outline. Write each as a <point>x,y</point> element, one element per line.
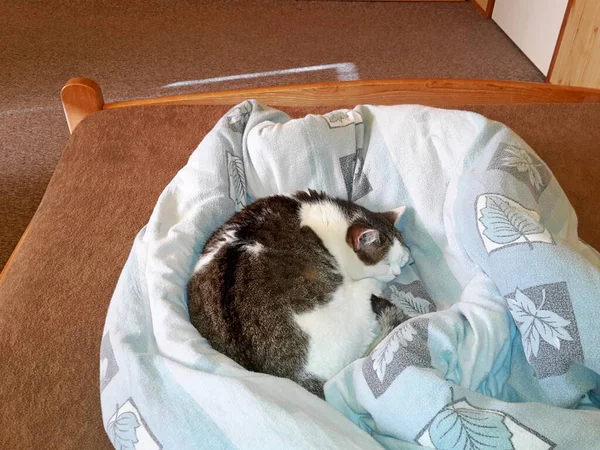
<point>254,248</point>
<point>226,237</point>
<point>342,330</point>
<point>331,225</point>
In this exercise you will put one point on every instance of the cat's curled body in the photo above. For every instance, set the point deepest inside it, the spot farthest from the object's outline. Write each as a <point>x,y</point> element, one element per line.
<point>289,286</point>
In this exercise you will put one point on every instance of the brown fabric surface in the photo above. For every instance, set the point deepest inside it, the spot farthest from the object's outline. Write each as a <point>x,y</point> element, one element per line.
<point>133,48</point>
<point>53,299</point>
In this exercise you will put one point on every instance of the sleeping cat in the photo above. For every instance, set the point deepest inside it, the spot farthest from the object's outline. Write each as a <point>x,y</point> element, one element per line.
<point>289,286</point>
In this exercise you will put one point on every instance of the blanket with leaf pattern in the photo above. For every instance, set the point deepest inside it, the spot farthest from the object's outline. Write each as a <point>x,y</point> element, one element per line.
<point>502,349</point>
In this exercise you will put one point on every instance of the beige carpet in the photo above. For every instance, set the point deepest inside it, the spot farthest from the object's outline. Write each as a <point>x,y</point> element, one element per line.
<point>135,48</point>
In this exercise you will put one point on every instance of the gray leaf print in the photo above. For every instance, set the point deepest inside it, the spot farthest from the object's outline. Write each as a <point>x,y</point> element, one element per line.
<point>411,305</point>
<point>469,429</point>
<point>505,224</point>
<point>404,347</point>
<point>524,165</point>
<point>535,323</point>
<point>462,426</point>
<point>237,181</point>
<point>122,430</point>
<point>337,119</point>
<point>238,118</point>
<point>523,162</point>
<point>548,327</point>
<point>384,352</point>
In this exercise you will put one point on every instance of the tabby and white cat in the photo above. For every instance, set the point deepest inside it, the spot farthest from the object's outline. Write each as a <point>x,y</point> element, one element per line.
<point>289,286</point>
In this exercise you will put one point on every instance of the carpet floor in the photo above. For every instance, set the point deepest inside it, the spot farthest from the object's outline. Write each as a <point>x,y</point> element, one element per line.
<point>146,48</point>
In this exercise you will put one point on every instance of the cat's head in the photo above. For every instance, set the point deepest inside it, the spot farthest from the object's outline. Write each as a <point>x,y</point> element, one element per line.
<point>373,247</point>
<point>378,244</point>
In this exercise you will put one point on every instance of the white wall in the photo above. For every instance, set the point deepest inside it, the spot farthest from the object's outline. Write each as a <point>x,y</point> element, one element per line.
<point>533,25</point>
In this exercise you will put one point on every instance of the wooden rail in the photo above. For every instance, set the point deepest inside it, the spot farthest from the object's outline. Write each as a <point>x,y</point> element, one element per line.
<point>82,97</point>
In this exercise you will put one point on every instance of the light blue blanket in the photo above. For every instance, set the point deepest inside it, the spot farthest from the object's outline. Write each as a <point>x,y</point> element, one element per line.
<point>502,350</point>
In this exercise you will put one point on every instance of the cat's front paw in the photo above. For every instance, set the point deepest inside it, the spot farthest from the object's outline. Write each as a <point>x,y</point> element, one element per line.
<point>387,278</point>
<point>372,285</point>
<point>404,256</point>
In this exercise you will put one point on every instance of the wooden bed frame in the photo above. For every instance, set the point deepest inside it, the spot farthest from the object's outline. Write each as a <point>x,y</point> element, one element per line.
<point>82,97</point>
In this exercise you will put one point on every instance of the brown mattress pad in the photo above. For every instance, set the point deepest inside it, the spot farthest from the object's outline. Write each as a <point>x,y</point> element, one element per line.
<point>54,296</point>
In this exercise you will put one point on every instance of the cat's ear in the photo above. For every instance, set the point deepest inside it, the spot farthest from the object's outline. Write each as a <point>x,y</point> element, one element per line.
<point>394,215</point>
<point>360,238</point>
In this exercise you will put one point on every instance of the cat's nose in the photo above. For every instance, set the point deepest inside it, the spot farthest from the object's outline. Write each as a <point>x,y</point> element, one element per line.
<point>396,271</point>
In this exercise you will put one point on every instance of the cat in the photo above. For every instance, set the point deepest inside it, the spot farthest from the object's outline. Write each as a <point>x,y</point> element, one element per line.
<point>290,285</point>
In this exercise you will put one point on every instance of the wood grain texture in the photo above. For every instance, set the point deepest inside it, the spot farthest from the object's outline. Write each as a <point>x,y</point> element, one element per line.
<point>441,93</point>
<point>480,5</point>
<point>80,98</point>
<point>485,7</point>
<point>559,40</point>
<point>375,1</point>
<point>577,60</point>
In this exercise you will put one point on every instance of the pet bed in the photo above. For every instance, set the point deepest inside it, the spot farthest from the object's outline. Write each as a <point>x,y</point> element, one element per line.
<point>55,289</point>
<point>501,292</point>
